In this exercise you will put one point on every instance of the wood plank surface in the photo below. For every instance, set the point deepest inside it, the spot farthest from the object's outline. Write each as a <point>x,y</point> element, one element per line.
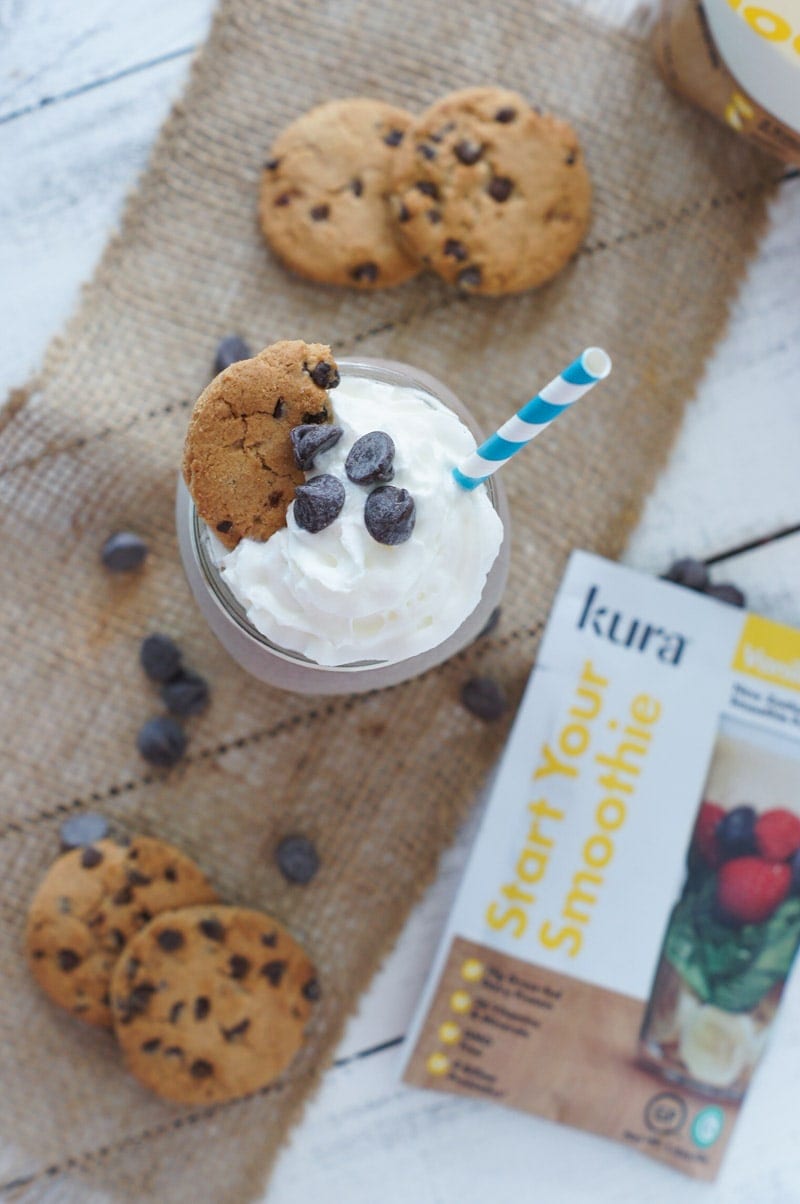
<point>83,89</point>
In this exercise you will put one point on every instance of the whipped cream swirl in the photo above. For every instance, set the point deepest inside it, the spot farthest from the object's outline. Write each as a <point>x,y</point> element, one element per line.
<point>339,597</point>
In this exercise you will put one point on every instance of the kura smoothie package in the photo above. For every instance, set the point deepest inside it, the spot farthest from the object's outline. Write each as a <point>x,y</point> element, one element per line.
<point>631,909</point>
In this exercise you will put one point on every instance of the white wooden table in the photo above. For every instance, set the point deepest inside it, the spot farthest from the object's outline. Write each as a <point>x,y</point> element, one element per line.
<point>83,89</point>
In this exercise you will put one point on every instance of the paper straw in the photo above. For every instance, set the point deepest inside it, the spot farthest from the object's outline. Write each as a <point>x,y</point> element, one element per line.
<point>576,380</point>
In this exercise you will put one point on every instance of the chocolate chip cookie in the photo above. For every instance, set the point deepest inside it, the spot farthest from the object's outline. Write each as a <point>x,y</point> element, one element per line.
<point>323,204</point>
<point>211,1003</point>
<point>491,194</point>
<point>92,900</point>
<point>238,460</point>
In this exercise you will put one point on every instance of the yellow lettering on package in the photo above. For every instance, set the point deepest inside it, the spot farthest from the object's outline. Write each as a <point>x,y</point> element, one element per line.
<point>769,651</point>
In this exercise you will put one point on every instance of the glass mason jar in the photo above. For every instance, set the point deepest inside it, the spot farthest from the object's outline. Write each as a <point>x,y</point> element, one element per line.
<point>290,670</point>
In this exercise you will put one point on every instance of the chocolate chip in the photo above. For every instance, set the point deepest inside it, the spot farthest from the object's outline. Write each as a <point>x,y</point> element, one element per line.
<point>370,459</point>
<point>725,592</point>
<point>367,272</point>
<point>231,350</point>
<point>311,440</point>
<point>318,502</point>
<point>505,115</point>
<point>280,408</point>
<point>270,939</point>
<point>403,213</point>
<point>428,188</point>
<point>433,216</point>
<point>170,939</point>
<point>690,573</point>
<point>160,657</point>
<point>186,694</point>
<point>317,415</point>
<point>239,966</point>
<point>124,896</point>
<point>117,938</point>
<point>499,188</point>
<point>90,857</point>
<point>67,960</point>
<point>390,514</point>
<point>297,859</point>
<point>274,972</point>
<point>427,152</point>
<point>325,375</point>
<point>320,213</point>
<point>201,1069</point>
<point>283,200</point>
<point>137,878</point>
<point>311,990</point>
<point>271,164</point>
<point>171,874</point>
<point>224,527</point>
<point>483,697</point>
<point>356,187</point>
<point>173,1051</point>
<point>132,965</point>
<point>393,138</point>
<point>136,1003</point>
<point>161,741</point>
<point>236,1030</point>
<point>571,157</point>
<point>470,277</point>
<point>81,830</point>
<point>467,152</point>
<point>144,916</point>
<point>123,552</point>
<point>152,1045</point>
<point>455,249</point>
<point>274,498</point>
<point>212,928</point>
<point>175,1011</point>
<point>202,1006</point>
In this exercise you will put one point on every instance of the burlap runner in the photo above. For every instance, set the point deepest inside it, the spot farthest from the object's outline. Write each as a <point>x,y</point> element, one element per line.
<point>379,782</point>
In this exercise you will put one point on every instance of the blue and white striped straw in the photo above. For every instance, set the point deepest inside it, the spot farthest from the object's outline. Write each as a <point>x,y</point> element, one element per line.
<point>576,380</point>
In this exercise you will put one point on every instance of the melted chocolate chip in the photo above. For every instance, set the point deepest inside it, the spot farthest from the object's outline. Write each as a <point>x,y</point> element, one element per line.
<point>270,939</point>
<point>152,1045</point>
<point>320,213</point>
<point>455,249</point>
<point>318,502</point>
<point>236,1030</point>
<point>367,272</point>
<point>123,897</point>
<point>433,216</point>
<point>427,188</point>
<point>310,440</point>
<point>171,874</point>
<point>239,966</point>
<point>393,138</point>
<point>67,960</point>
<point>325,375</point>
<point>90,857</point>
<point>144,915</point>
<point>274,972</point>
<point>390,514</point>
<point>175,1011</point>
<point>202,1006</point>
<point>136,878</point>
<point>505,115</point>
<point>427,152</point>
<point>470,277</point>
<point>224,527</point>
<point>117,937</point>
<point>499,188</point>
<point>170,939</point>
<point>173,1051</point>
<point>311,990</point>
<point>467,152</point>
<point>356,187</point>
<point>283,200</point>
<point>403,213</point>
<point>212,928</point>
<point>201,1069</point>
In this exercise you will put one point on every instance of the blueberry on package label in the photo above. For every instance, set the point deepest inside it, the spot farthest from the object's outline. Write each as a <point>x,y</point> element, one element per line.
<point>656,721</point>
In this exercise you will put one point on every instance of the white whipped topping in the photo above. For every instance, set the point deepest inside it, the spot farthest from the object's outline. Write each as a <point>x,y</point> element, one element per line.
<point>339,596</point>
